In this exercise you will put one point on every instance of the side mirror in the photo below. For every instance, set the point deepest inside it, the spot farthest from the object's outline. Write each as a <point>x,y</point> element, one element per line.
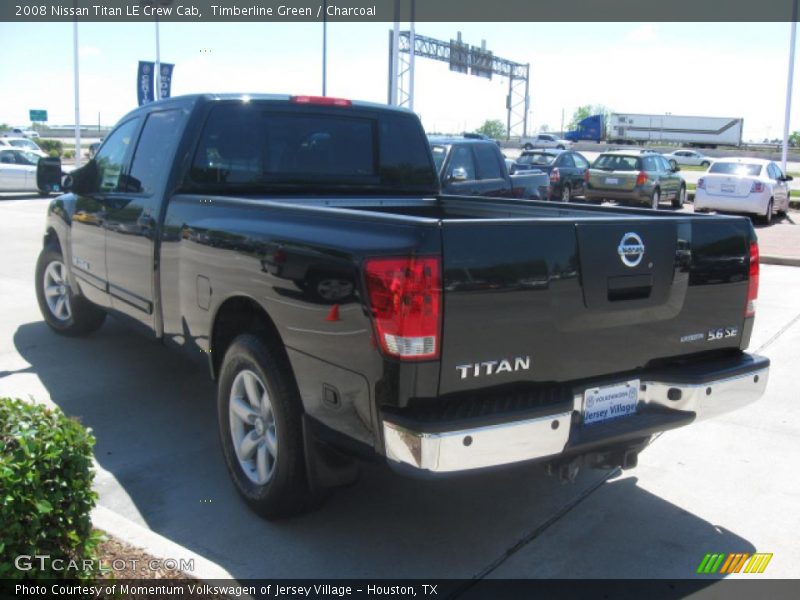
<point>458,174</point>
<point>81,181</point>
<point>674,166</point>
<point>788,178</point>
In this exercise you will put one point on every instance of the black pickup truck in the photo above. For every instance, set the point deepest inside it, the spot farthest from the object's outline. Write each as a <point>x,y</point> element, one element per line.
<point>476,167</point>
<point>300,246</point>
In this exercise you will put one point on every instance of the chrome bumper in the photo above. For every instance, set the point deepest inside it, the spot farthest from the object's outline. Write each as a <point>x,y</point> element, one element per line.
<point>548,436</point>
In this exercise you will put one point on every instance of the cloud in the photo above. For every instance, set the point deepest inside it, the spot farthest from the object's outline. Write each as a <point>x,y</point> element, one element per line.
<point>642,34</point>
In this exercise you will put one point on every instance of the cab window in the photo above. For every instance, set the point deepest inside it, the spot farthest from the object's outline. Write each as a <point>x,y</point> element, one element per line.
<point>111,157</point>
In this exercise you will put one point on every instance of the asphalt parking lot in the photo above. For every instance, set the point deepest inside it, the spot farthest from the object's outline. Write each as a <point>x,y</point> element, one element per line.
<point>718,486</point>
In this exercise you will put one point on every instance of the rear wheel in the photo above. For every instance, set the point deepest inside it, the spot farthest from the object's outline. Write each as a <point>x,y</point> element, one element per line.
<point>259,412</point>
<point>63,310</point>
<point>705,164</point>
<point>766,219</point>
<point>655,199</point>
<point>566,193</point>
<point>679,200</point>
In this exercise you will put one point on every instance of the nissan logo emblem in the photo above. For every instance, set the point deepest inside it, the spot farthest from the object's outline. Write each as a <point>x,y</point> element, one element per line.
<point>631,249</point>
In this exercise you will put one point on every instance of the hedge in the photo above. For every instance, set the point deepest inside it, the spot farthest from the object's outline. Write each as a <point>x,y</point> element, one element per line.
<point>46,492</point>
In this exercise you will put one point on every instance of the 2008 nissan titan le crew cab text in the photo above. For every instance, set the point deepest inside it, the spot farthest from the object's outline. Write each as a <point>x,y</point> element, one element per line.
<point>300,247</point>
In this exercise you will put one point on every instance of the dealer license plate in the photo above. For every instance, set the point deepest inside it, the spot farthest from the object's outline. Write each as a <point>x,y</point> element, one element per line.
<point>612,180</point>
<point>610,402</point>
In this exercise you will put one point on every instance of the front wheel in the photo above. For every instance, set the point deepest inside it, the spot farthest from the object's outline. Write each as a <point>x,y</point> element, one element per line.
<point>705,164</point>
<point>679,200</point>
<point>63,310</point>
<point>259,413</point>
<point>528,147</point>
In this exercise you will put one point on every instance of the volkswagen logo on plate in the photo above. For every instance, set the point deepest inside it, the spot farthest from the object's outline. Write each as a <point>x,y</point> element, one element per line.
<point>631,249</point>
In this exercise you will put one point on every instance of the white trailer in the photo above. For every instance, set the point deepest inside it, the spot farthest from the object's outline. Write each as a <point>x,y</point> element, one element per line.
<point>708,132</point>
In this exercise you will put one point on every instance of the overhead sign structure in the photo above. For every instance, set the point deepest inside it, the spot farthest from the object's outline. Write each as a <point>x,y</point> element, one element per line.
<point>480,63</point>
<point>459,56</point>
<point>144,83</point>
<point>38,115</point>
<point>165,81</point>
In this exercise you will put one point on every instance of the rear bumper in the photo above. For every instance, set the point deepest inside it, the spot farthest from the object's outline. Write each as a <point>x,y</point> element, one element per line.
<point>755,204</point>
<point>667,399</point>
<point>639,194</point>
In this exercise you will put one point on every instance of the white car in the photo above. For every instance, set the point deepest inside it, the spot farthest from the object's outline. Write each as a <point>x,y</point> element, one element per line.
<point>544,140</point>
<point>21,144</point>
<point>689,157</point>
<point>18,170</point>
<point>743,185</point>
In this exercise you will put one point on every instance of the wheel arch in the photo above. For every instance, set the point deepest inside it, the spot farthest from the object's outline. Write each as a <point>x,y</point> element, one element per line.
<point>238,314</point>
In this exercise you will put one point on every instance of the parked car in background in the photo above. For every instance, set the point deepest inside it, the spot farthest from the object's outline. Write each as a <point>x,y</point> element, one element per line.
<point>544,140</point>
<point>638,177</point>
<point>473,167</point>
<point>22,144</point>
<point>744,185</point>
<point>18,169</point>
<point>689,157</point>
<point>566,169</point>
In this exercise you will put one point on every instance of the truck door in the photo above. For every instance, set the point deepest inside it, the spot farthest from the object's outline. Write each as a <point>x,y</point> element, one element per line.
<point>88,261</point>
<point>492,177</point>
<point>132,218</point>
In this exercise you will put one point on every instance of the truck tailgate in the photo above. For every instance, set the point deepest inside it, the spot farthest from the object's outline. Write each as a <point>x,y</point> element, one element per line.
<point>554,300</point>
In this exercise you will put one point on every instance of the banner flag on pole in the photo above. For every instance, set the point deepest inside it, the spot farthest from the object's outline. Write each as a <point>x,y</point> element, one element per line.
<point>166,80</point>
<point>144,83</point>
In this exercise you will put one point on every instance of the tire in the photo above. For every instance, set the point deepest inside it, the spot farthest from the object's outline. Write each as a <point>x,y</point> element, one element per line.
<point>766,218</point>
<point>705,164</point>
<point>258,402</point>
<point>680,199</point>
<point>63,310</point>
<point>560,147</point>
<point>528,147</point>
<point>566,193</point>
<point>655,199</point>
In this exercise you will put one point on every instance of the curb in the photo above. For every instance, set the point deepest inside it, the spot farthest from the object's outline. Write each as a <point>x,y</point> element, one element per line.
<point>154,544</point>
<point>786,261</point>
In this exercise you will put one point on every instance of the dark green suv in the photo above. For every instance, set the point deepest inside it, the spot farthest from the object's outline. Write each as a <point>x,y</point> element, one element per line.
<point>640,177</point>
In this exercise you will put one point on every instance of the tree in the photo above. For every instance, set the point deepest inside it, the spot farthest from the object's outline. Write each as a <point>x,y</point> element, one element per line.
<point>794,139</point>
<point>587,110</point>
<point>493,128</point>
<point>544,128</point>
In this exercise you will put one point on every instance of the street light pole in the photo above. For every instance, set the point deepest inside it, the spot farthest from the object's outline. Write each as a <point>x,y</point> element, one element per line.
<point>157,95</point>
<point>77,95</point>
<point>325,48</point>
<point>789,83</point>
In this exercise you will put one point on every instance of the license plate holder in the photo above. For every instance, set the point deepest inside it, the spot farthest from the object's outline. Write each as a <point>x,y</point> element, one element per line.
<point>607,402</point>
<point>612,180</point>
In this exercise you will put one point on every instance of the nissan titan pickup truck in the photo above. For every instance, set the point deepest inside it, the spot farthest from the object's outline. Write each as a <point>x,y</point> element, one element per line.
<point>301,248</point>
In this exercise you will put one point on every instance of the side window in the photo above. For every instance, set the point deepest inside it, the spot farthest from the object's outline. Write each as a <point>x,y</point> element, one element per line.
<point>111,157</point>
<point>462,159</point>
<point>650,164</point>
<point>156,143</point>
<point>664,163</point>
<point>778,174</point>
<point>489,166</point>
<point>7,157</point>
<point>580,162</point>
<point>566,161</point>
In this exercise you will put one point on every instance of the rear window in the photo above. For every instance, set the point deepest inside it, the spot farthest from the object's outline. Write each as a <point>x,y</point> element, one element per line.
<point>536,158</point>
<point>257,144</point>
<point>731,168</point>
<point>613,162</point>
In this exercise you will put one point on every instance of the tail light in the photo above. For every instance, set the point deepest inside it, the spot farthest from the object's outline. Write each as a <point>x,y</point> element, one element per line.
<point>641,179</point>
<point>405,297</point>
<point>320,100</point>
<point>757,187</point>
<point>586,175</point>
<point>555,175</point>
<point>752,282</point>
<point>701,184</point>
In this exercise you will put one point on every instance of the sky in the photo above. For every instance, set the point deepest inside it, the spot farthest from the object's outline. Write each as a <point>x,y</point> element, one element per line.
<point>713,69</point>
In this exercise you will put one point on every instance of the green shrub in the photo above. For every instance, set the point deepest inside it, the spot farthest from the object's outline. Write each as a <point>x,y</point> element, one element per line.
<point>45,490</point>
<point>69,153</point>
<point>48,146</point>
